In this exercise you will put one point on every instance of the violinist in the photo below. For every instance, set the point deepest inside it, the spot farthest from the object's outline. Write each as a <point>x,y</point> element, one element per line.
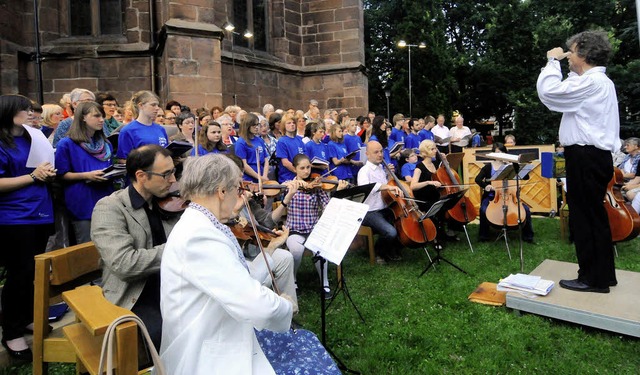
<point>303,212</point>
<point>483,179</point>
<point>129,231</point>
<point>379,217</point>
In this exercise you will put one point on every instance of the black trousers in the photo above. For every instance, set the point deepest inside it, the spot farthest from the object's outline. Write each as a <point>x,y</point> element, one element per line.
<point>20,244</point>
<point>589,171</point>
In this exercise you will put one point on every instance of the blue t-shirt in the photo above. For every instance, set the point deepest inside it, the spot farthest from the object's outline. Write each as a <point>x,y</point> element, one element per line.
<point>339,150</point>
<point>407,170</point>
<point>353,143</point>
<point>396,134</point>
<point>320,150</point>
<point>136,134</point>
<point>80,196</point>
<point>28,205</point>
<point>248,153</point>
<point>287,148</point>
<point>425,134</point>
<point>203,151</point>
<point>412,141</point>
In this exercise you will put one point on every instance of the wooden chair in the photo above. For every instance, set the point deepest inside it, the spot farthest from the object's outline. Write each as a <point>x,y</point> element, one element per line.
<point>94,315</point>
<point>55,272</point>
<point>367,232</point>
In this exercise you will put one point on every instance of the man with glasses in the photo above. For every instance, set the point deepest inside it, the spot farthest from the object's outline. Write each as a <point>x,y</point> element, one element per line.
<point>76,96</point>
<point>130,231</point>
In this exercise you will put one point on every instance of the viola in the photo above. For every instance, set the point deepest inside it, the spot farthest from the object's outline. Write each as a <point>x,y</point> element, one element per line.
<point>624,221</point>
<point>464,211</point>
<point>412,232</point>
<point>503,208</point>
<point>173,203</point>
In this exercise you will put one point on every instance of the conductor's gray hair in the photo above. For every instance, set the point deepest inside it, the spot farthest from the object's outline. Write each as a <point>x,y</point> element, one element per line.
<point>203,176</point>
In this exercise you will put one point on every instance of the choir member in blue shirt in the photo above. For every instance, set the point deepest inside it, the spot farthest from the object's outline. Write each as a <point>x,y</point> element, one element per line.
<point>354,143</point>
<point>425,133</point>
<point>142,131</point>
<point>338,152</point>
<point>287,148</point>
<point>410,159</point>
<point>315,148</point>
<point>379,134</point>
<point>252,150</point>
<point>412,140</point>
<point>81,158</point>
<point>26,219</point>
<point>210,140</point>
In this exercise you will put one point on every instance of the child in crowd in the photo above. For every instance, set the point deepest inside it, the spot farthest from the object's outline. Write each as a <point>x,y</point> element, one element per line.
<point>315,148</point>
<point>410,159</point>
<point>210,140</point>
<point>338,151</point>
<point>287,148</point>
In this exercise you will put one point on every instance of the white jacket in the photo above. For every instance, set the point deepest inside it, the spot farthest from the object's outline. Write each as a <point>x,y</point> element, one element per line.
<point>210,304</point>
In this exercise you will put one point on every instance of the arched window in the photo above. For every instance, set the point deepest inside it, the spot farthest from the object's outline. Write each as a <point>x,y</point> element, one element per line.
<point>96,17</point>
<point>251,15</point>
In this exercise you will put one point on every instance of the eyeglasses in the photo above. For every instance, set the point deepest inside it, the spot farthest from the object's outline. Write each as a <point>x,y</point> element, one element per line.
<point>165,175</point>
<point>109,105</point>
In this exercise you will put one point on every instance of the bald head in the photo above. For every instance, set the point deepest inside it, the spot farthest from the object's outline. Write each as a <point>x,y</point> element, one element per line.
<point>374,152</point>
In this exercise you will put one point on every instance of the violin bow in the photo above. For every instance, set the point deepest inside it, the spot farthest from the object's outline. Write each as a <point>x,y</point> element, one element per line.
<point>258,167</point>
<point>254,226</point>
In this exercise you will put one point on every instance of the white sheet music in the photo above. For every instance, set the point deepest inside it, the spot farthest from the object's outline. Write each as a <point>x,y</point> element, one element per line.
<point>336,228</point>
<point>41,150</point>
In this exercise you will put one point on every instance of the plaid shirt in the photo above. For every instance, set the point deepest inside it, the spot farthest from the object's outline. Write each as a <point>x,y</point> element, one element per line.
<point>305,209</point>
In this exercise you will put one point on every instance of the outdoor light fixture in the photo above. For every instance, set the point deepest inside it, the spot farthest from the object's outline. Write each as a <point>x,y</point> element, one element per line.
<point>387,93</point>
<point>403,44</point>
<point>228,26</point>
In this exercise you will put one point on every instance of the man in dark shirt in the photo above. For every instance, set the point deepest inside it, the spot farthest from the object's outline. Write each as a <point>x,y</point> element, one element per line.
<point>130,231</point>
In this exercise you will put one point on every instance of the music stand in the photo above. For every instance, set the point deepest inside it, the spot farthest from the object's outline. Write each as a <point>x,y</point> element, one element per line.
<point>509,172</point>
<point>442,205</point>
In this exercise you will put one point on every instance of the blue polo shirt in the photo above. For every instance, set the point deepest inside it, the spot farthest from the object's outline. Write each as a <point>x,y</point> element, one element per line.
<point>287,148</point>
<point>80,196</point>
<point>28,205</point>
<point>136,134</point>
<point>248,153</point>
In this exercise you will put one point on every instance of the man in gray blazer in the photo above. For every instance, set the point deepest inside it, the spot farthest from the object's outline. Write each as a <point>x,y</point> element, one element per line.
<point>130,232</point>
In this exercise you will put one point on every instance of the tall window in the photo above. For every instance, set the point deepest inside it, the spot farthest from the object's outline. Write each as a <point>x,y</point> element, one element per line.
<point>95,17</point>
<point>252,15</point>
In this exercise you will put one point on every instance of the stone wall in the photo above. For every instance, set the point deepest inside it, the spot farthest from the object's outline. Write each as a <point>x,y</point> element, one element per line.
<point>315,51</point>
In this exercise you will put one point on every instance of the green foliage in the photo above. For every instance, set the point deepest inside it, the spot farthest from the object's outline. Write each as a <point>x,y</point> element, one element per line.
<point>483,57</point>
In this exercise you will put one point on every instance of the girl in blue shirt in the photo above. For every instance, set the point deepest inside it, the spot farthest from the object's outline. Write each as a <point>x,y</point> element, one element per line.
<point>26,221</point>
<point>210,140</point>
<point>315,147</point>
<point>252,150</point>
<point>143,130</point>
<point>81,158</point>
<point>338,152</point>
<point>354,143</point>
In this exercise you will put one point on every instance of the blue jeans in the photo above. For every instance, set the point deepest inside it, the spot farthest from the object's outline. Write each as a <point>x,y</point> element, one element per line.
<point>379,221</point>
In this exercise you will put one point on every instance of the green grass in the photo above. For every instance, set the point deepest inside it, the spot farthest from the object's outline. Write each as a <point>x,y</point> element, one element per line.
<point>426,325</point>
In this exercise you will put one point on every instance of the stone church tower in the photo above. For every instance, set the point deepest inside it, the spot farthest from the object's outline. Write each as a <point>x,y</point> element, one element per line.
<point>300,50</point>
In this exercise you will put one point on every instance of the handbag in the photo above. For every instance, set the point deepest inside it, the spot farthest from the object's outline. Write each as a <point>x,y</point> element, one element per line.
<point>106,353</point>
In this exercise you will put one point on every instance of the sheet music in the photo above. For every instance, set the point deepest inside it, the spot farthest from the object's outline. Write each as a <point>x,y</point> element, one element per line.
<point>336,229</point>
<point>41,150</point>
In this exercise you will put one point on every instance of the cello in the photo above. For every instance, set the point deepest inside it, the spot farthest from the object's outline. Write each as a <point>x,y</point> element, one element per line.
<point>624,221</point>
<point>464,211</point>
<point>503,208</point>
<point>412,232</point>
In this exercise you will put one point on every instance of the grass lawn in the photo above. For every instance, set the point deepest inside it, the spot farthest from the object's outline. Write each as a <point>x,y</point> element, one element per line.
<point>426,325</point>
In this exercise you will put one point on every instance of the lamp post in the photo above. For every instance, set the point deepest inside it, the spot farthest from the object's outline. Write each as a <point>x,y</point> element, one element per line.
<point>387,93</point>
<point>403,44</point>
<point>248,35</point>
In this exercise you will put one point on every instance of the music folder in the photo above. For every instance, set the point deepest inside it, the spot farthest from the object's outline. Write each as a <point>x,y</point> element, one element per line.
<point>356,194</point>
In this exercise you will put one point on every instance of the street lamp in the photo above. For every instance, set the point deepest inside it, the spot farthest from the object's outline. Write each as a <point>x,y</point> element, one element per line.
<point>403,44</point>
<point>387,93</point>
<point>229,27</point>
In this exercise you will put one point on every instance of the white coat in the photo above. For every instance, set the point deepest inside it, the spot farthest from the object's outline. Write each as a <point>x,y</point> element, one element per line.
<point>210,304</point>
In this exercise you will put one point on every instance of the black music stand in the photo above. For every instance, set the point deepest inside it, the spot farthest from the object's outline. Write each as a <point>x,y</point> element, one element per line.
<point>514,171</point>
<point>442,205</point>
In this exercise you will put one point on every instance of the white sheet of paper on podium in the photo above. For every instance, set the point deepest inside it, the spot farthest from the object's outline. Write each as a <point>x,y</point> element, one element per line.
<point>335,230</point>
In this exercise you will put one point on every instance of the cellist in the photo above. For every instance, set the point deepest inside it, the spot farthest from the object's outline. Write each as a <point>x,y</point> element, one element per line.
<point>379,217</point>
<point>483,179</point>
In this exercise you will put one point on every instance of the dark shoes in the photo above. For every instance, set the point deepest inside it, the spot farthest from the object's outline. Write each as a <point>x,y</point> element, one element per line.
<point>579,286</point>
<point>327,293</point>
<point>21,355</point>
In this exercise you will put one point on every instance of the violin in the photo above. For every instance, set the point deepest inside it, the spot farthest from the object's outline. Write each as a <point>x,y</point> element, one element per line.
<point>244,232</point>
<point>327,183</point>
<point>269,188</point>
<point>464,211</point>
<point>624,221</point>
